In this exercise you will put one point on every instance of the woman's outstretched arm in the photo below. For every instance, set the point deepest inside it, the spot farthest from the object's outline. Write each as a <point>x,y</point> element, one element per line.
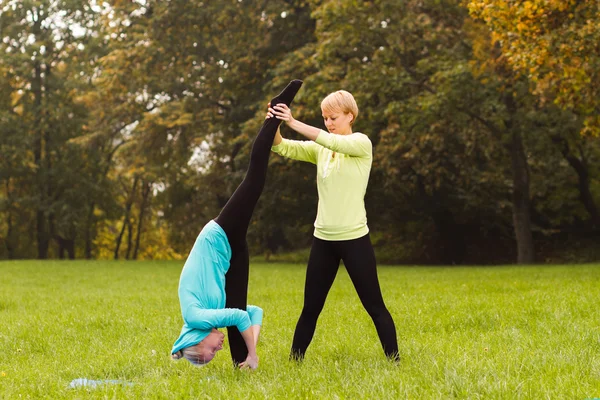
<point>301,150</point>
<point>357,145</point>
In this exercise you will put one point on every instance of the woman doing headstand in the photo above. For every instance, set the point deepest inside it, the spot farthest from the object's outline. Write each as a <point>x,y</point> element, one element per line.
<point>213,286</point>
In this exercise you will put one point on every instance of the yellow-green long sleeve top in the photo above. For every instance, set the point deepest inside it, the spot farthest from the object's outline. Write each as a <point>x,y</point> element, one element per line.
<point>343,167</point>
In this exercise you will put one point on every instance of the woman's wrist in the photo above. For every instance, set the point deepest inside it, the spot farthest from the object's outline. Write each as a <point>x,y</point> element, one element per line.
<point>293,123</point>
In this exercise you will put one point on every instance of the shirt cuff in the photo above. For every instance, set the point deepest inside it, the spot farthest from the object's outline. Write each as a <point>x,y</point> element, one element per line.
<point>256,314</point>
<point>278,148</point>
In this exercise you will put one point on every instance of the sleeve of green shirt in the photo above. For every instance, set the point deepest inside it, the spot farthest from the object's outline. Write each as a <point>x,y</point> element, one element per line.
<point>301,150</point>
<point>206,319</point>
<point>356,144</point>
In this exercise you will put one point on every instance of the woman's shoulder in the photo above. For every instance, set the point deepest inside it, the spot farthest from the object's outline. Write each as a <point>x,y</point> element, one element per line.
<point>361,137</point>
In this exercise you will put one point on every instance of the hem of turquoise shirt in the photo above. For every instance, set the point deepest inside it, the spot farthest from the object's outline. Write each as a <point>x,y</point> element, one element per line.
<point>181,346</point>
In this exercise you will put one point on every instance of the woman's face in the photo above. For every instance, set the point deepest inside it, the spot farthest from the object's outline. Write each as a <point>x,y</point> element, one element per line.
<point>338,122</point>
<point>211,344</point>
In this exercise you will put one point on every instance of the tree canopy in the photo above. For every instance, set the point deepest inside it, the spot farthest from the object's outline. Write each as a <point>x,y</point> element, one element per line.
<point>126,125</point>
<point>555,44</point>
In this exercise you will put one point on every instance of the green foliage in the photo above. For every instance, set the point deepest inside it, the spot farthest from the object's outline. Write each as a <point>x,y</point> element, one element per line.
<point>195,83</point>
<point>42,62</point>
<point>127,127</point>
<point>554,44</point>
<point>156,245</point>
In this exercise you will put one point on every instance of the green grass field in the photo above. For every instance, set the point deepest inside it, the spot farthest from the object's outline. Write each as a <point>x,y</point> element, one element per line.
<point>477,333</point>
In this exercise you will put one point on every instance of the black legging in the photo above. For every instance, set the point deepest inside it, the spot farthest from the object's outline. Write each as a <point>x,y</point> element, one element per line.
<point>235,218</point>
<point>323,264</point>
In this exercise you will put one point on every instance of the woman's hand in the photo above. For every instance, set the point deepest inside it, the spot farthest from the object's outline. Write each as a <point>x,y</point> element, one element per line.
<point>278,138</point>
<point>252,359</point>
<point>269,114</point>
<point>282,112</point>
<point>250,363</point>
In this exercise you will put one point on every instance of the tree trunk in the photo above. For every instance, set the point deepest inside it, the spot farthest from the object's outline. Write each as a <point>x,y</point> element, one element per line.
<point>61,249</point>
<point>145,196</point>
<point>9,224</point>
<point>521,201</point>
<point>67,245</point>
<point>70,245</point>
<point>43,239</point>
<point>9,246</point>
<point>88,232</point>
<point>42,236</point>
<point>129,238</point>
<point>581,168</point>
<point>47,187</point>
<point>128,205</point>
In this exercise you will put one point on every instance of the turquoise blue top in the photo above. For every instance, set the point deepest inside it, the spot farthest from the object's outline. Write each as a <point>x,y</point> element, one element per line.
<point>202,290</point>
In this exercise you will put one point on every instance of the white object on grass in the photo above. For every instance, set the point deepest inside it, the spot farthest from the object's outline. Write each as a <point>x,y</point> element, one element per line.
<point>90,383</point>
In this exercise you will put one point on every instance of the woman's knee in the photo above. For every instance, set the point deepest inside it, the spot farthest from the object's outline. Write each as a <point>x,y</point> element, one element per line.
<point>310,314</point>
<point>378,311</point>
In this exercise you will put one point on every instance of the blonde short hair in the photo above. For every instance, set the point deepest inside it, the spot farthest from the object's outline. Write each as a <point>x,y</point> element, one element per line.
<point>192,354</point>
<point>340,101</point>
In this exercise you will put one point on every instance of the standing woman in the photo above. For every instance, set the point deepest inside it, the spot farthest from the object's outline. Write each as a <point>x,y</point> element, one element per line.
<point>343,161</point>
<point>213,286</point>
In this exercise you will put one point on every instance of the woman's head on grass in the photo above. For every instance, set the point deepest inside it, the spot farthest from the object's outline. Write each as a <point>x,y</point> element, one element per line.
<point>203,352</point>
